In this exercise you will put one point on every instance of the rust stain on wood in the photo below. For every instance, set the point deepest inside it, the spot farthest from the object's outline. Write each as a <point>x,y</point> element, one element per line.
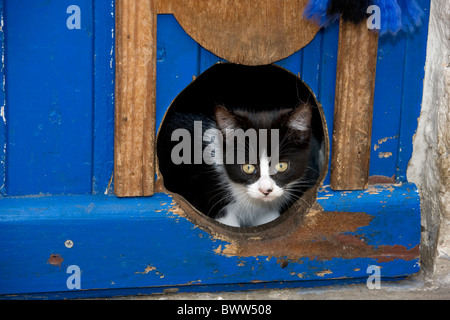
<point>319,237</point>
<point>55,260</point>
<point>381,180</point>
<point>331,246</point>
<point>320,234</point>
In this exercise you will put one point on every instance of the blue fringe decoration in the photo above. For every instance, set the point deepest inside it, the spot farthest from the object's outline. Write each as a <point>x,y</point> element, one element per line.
<point>411,14</point>
<point>396,15</point>
<point>391,16</point>
<point>316,10</point>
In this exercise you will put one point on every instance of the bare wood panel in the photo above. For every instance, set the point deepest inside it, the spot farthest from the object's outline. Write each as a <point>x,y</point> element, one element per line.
<point>246,32</point>
<point>135,97</point>
<point>355,82</point>
<point>164,7</point>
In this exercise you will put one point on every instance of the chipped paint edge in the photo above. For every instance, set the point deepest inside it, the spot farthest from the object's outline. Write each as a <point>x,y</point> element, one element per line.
<point>231,247</point>
<point>2,107</point>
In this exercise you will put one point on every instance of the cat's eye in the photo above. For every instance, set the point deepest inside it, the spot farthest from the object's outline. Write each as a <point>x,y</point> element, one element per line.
<point>281,167</point>
<point>249,169</point>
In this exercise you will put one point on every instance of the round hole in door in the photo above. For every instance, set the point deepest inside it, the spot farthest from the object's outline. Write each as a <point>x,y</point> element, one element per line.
<point>229,96</point>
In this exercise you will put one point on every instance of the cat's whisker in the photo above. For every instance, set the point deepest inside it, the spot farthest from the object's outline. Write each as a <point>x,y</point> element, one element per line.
<point>227,196</point>
<point>311,168</point>
<point>295,199</point>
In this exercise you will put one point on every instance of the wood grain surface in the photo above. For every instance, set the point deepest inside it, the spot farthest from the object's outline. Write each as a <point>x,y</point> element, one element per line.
<point>353,111</point>
<point>135,98</point>
<point>244,32</point>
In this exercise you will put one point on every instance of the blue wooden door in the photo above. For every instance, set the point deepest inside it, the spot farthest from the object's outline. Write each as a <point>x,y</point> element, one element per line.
<point>59,84</point>
<point>57,208</point>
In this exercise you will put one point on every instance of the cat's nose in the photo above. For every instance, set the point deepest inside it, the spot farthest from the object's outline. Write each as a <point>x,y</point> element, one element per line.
<point>265,191</point>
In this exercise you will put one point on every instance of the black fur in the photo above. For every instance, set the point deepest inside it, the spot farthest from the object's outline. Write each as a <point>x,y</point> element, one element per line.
<point>259,96</point>
<point>350,10</point>
<point>294,146</point>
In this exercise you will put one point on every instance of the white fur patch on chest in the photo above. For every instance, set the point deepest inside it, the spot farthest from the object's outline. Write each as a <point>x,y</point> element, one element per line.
<point>250,206</point>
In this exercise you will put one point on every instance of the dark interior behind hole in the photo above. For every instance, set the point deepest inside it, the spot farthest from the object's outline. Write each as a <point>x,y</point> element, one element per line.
<point>266,87</point>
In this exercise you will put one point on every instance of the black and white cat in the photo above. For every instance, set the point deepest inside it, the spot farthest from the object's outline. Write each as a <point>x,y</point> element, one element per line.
<point>236,193</point>
<point>259,192</point>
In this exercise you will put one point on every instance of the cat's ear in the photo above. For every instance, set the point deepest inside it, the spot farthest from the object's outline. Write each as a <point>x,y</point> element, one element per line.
<point>300,121</point>
<point>225,119</point>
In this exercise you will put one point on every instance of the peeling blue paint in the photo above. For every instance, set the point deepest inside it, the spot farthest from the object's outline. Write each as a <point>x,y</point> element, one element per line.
<point>63,147</point>
<point>141,242</point>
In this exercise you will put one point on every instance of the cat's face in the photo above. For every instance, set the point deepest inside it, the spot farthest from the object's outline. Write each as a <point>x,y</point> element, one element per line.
<point>264,179</point>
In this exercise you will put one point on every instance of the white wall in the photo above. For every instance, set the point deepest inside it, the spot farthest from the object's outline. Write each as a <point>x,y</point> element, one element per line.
<point>429,167</point>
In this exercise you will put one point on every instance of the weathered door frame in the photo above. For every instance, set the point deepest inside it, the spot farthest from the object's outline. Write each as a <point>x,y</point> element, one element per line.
<point>136,25</point>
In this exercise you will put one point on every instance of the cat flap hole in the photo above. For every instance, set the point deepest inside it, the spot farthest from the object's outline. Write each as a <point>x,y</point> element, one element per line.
<point>196,186</point>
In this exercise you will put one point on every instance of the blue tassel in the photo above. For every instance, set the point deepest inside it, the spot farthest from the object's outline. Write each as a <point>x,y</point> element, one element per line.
<point>411,14</point>
<point>391,21</point>
<point>396,15</point>
<point>316,10</point>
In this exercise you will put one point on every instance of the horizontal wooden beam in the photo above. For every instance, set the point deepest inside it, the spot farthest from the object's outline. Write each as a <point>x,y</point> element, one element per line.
<point>117,244</point>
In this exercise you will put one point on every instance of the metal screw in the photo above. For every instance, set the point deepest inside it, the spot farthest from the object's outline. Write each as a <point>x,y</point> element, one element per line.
<point>68,244</point>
